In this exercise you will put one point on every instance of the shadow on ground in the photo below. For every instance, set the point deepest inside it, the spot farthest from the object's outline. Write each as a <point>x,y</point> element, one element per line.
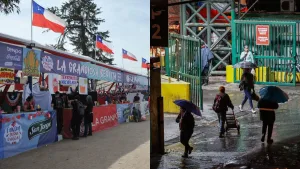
<point>99,151</point>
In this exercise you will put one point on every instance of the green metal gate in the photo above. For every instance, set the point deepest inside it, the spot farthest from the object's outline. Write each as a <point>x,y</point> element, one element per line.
<point>277,60</point>
<point>180,64</point>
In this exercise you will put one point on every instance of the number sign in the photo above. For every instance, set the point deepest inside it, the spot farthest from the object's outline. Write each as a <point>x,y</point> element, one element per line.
<point>159,23</point>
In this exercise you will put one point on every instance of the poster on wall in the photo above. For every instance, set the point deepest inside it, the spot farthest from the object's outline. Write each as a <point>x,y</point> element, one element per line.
<point>123,110</point>
<point>83,86</point>
<point>31,62</point>
<point>11,56</point>
<point>262,35</point>
<point>67,80</point>
<point>7,75</point>
<point>24,132</point>
<point>53,82</point>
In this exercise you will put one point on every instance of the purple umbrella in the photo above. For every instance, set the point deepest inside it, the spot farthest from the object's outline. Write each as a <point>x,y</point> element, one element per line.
<point>189,106</point>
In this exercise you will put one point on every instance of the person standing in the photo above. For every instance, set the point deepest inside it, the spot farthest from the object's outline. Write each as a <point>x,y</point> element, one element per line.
<point>267,116</point>
<point>77,116</point>
<point>186,125</point>
<point>136,98</point>
<point>247,56</point>
<point>247,85</point>
<point>221,103</point>
<point>58,105</point>
<point>29,104</point>
<point>88,116</point>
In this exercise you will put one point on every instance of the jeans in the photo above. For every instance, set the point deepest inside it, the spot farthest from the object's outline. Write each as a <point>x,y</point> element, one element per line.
<point>247,97</point>
<point>185,137</point>
<point>87,127</point>
<point>222,120</point>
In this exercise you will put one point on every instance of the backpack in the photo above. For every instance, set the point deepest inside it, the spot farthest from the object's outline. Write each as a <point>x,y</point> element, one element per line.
<point>80,108</point>
<point>219,104</point>
<point>59,102</point>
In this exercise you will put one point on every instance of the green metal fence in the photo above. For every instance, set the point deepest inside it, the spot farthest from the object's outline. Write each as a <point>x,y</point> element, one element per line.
<point>181,64</point>
<point>277,60</point>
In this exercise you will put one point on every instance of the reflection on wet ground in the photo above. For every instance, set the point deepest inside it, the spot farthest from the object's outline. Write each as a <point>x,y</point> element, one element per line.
<point>235,151</point>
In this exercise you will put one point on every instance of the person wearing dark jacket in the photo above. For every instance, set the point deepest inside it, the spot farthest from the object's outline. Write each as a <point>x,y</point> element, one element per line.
<point>76,118</point>
<point>58,106</point>
<point>267,116</point>
<point>247,85</point>
<point>224,103</point>
<point>88,116</point>
<point>186,125</point>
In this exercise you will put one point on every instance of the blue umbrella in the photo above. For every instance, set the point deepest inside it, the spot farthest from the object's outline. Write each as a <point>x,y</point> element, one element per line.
<point>189,106</point>
<point>274,94</point>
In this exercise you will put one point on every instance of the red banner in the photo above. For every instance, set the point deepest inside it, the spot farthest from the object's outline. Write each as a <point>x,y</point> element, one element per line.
<point>105,117</point>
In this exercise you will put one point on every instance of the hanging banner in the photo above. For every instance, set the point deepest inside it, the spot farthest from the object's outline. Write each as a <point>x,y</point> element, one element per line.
<point>26,131</point>
<point>104,117</point>
<point>31,62</point>
<point>262,35</point>
<point>7,76</point>
<point>102,73</point>
<point>135,79</point>
<point>11,56</point>
<point>67,80</point>
<point>83,86</point>
<point>59,65</point>
<point>53,82</point>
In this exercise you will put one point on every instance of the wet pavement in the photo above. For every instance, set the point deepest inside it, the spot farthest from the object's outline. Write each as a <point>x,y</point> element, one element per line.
<point>235,151</point>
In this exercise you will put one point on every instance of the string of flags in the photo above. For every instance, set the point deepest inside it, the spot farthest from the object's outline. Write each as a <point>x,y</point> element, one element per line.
<point>30,116</point>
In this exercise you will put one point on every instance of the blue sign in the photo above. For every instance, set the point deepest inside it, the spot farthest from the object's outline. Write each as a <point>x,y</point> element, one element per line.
<point>11,56</point>
<point>102,73</point>
<point>123,110</point>
<point>135,79</point>
<point>59,65</point>
<point>25,133</point>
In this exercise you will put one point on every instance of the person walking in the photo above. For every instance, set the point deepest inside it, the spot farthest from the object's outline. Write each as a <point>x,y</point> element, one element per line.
<point>247,56</point>
<point>267,116</point>
<point>247,85</point>
<point>186,125</point>
<point>88,116</point>
<point>77,116</point>
<point>58,105</point>
<point>221,103</point>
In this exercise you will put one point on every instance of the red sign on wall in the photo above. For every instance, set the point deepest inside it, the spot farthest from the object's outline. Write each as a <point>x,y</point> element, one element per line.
<point>262,35</point>
<point>104,117</point>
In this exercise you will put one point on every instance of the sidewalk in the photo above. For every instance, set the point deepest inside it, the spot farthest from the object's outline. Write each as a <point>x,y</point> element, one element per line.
<point>126,146</point>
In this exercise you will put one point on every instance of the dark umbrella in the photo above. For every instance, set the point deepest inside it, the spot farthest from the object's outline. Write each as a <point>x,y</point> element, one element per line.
<point>274,94</point>
<point>245,65</point>
<point>188,106</point>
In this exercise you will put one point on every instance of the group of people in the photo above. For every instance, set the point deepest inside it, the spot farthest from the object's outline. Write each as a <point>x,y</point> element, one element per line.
<point>222,102</point>
<point>80,112</point>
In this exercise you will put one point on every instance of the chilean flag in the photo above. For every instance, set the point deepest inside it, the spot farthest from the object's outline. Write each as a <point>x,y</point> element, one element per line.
<point>45,19</point>
<point>128,55</point>
<point>100,44</point>
<point>144,63</point>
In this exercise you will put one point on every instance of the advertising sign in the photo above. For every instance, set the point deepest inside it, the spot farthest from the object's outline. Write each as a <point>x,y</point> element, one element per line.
<point>7,76</point>
<point>105,117</point>
<point>31,62</point>
<point>26,131</point>
<point>83,86</point>
<point>135,79</point>
<point>67,80</point>
<point>124,110</point>
<point>11,56</point>
<point>262,35</point>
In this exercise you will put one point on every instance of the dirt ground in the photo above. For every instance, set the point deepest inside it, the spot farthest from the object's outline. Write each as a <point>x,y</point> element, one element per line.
<point>126,146</point>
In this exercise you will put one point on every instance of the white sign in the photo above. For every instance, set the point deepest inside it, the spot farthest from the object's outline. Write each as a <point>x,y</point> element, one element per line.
<point>13,133</point>
<point>83,86</point>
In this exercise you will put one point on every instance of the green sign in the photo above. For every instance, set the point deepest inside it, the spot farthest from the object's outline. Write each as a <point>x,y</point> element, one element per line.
<point>39,127</point>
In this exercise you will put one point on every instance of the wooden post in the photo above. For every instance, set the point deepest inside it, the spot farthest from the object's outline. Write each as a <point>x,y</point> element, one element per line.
<point>156,110</point>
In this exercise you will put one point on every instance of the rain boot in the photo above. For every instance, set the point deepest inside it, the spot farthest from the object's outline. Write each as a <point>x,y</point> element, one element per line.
<point>262,138</point>
<point>185,155</point>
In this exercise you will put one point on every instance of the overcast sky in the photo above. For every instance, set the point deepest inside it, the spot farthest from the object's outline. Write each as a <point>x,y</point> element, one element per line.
<point>127,20</point>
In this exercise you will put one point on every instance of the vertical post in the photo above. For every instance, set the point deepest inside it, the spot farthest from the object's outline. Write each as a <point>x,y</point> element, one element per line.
<point>233,37</point>
<point>31,20</point>
<point>96,47</point>
<point>208,20</point>
<point>294,52</point>
<point>43,79</point>
<point>200,76</point>
<point>29,78</point>
<point>148,77</point>
<point>182,19</point>
<point>167,62</point>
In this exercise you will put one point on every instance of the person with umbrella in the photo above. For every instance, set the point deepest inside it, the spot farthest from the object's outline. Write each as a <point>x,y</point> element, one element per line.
<point>186,123</point>
<point>270,97</point>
